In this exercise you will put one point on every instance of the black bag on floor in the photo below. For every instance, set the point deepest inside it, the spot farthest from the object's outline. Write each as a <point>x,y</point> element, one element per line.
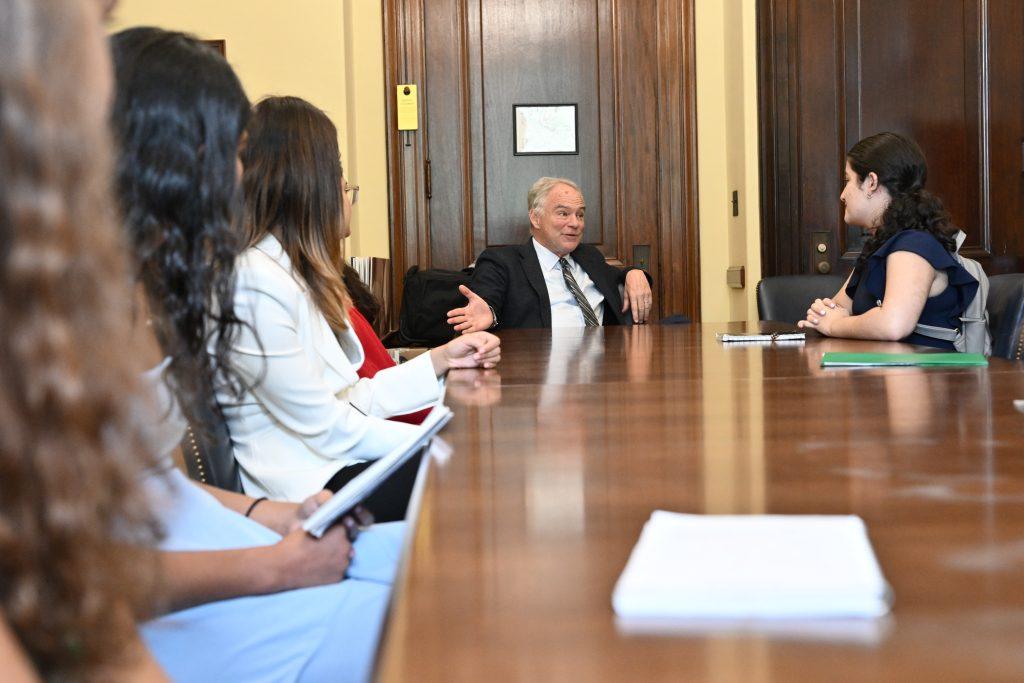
<point>427,296</point>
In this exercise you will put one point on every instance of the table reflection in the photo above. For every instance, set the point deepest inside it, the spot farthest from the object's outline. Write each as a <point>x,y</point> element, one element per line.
<point>554,496</point>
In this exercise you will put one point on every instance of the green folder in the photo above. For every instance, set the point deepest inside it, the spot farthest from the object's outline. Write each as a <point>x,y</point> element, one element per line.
<point>833,359</point>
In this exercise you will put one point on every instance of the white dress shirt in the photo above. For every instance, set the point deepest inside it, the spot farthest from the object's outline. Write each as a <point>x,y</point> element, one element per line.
<point>565,312</point>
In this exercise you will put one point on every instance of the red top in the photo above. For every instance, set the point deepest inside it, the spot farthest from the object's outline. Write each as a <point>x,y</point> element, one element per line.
<point>376,358</point>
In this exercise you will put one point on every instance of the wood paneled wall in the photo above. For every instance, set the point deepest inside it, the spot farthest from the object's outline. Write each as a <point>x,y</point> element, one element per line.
<point>948,73</point>
<point>457,188</point>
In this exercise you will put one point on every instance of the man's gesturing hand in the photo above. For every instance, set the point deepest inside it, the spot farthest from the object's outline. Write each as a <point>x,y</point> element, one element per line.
<point>475,316</point>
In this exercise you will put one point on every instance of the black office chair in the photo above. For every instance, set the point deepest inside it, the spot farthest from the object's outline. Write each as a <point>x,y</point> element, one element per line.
<point>786,298</point>
<point>210,458</point>
<point>1005,307</point>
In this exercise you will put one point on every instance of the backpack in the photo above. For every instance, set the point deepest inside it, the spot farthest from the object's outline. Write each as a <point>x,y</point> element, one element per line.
<point>973,335</point>
<point>427,296</point>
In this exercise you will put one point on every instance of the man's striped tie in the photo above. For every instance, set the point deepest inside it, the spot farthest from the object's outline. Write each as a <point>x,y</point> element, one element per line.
<point>588,313</point>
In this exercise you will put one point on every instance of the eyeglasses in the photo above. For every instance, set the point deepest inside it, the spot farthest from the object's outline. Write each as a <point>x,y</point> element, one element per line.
<point>354,189</point>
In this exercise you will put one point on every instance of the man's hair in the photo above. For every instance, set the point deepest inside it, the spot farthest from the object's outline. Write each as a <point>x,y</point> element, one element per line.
<point>538,194</point>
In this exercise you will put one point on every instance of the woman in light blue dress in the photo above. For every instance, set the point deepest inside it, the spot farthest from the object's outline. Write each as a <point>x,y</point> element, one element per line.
<point>248,595</point>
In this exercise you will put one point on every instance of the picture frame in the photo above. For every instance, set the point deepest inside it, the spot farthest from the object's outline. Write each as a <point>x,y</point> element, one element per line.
<point>545,129</point>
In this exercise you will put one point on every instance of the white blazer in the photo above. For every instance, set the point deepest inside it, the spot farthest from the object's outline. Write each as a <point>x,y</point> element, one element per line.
<point>307,413</point>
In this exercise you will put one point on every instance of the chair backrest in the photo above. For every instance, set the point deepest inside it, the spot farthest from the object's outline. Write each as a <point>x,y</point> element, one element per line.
<point>211,458</point>
<point>786,298</point>
<point>1005,307</point>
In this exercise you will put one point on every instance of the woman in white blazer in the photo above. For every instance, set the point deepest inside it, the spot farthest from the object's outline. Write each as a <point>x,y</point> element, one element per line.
<point>306,414</point>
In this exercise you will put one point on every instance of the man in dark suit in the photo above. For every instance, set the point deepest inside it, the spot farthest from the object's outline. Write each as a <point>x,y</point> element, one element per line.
<point>552,280</point>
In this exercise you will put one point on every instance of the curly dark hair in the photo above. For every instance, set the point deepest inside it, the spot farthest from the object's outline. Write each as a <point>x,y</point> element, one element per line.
<point>902,170</point>
<point>179,115</point>
<point>74,523</point>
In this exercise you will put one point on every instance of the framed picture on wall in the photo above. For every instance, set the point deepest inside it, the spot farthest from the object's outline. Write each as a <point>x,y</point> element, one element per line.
<point>545,129</point>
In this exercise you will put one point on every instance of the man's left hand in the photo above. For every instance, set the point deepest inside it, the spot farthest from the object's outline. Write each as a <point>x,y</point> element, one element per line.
<point>637,297</point>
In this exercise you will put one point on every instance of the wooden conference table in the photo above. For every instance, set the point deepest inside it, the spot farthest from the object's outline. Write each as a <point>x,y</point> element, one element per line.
<point>522,533</point>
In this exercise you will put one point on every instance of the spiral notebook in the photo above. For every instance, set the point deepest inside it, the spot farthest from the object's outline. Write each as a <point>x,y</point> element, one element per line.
<point>760,337</point>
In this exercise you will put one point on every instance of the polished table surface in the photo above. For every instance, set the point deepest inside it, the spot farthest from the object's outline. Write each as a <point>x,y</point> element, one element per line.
<point>561,456</point>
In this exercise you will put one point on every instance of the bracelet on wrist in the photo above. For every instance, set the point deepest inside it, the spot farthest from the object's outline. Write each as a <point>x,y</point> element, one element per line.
<point>254,504</point>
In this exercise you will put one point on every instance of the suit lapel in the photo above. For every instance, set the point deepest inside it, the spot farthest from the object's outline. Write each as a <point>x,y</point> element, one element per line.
<point>591,260</point>
<point>531,267</point>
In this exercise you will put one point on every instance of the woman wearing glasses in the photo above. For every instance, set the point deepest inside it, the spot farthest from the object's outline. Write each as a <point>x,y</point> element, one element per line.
<point>307,420</point>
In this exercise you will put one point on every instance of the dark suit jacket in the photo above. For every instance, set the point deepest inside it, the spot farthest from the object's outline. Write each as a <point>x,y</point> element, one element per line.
<point>510,280</point>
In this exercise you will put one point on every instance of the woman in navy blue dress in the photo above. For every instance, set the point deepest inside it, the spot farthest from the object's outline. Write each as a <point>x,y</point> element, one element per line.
<point>907,272</point>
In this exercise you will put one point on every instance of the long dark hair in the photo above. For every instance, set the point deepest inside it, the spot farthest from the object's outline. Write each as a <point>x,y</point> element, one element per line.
<point>179,115</point>
<point>902,170</point>
<point>292,185</point>
<point>74,522</point>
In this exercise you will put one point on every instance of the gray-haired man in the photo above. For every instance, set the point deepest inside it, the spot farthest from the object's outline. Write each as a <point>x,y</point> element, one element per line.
<point>552,280</point>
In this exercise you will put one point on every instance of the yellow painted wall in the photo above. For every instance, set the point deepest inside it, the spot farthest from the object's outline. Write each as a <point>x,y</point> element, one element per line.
<point>329,52</point>
<point>727,155</point>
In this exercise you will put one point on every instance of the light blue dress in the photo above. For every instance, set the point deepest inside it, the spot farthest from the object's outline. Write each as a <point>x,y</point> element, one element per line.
<point>327,633</point>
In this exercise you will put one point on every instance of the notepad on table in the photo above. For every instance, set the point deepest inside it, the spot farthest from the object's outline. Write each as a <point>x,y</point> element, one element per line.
<point>751,566</point>
<point>834,359</point>
<point>759,337</point>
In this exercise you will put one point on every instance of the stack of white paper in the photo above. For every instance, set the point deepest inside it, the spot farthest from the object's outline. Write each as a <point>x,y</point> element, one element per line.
<point>741,566</point>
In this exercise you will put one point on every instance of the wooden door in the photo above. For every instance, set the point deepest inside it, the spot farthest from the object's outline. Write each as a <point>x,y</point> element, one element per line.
<point>456,185</point>
<point>948,73</point>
